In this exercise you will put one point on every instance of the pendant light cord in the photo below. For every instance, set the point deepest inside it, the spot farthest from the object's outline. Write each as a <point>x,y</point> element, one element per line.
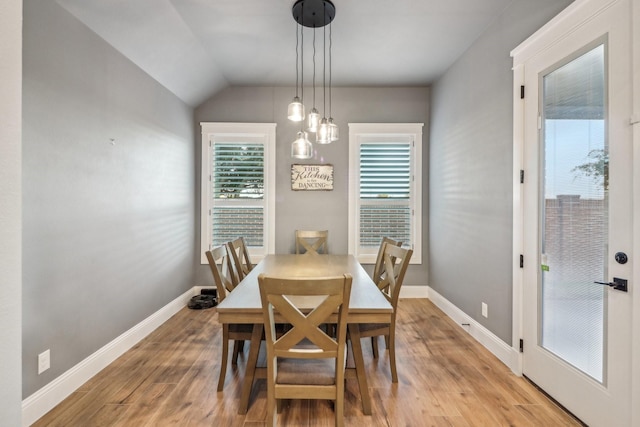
<point>302,64</point>
<point>314,67</point>
<point>302,70</point>
<point>297,58</point>
<point>324,66</point>
<point>330,73</point>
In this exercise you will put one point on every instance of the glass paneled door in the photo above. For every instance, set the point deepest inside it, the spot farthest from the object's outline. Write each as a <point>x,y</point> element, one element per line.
<point>576,209</point>
<point>574,212</point>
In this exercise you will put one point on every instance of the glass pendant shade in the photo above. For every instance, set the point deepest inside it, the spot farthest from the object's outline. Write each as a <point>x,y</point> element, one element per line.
<point>333,130</point>
<point>301,148</point>
<point>296,110</point>
<point>314,120</point>
<point>322,137</point>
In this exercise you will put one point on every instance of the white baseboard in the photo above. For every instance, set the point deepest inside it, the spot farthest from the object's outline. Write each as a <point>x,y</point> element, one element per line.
<point>507,355</point>
<point>414,292</point>
<point>45,399</point>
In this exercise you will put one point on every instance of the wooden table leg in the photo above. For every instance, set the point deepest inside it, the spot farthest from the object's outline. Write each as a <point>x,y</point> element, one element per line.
<point>249,374</point>
<point>354,334</point>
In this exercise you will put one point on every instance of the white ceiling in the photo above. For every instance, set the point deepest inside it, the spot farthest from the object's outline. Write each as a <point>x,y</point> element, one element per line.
<point>197,47</point>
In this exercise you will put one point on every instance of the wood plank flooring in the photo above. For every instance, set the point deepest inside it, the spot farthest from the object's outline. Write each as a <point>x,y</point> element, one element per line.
<point>445,379</point>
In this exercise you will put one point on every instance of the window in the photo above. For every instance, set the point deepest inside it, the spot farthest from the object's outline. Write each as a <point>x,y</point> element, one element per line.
<point>385,191</point>
<point>238,186</point>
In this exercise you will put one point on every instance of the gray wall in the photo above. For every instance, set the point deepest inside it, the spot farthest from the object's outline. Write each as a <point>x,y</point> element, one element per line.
<point>471,170</point>
<point>10,209</point>
<point>108,228</point>
<point>321,210</point>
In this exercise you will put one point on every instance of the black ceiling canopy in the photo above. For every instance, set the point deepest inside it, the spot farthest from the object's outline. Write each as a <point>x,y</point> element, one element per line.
<point>313,13</point>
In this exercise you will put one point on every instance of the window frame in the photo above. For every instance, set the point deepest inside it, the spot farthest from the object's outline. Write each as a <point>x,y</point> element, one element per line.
<point>263,133</point>
<point>360,133</point>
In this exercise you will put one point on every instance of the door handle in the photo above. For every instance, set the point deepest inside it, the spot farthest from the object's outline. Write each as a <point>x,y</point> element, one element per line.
<point>617,284</point>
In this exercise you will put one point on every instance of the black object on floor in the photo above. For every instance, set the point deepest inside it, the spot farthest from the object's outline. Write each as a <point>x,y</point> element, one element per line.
<point>208,291</point>
<point>200,302</point>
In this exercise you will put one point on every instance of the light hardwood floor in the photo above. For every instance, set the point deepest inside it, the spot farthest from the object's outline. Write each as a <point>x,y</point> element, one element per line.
<point>445,379</point>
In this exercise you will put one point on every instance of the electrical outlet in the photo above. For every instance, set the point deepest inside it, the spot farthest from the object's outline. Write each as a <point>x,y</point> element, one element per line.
<point>44,361</point>
<point>485,310</point>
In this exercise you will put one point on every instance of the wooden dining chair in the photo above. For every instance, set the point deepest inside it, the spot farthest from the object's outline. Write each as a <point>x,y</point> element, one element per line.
<point>240,257</point>
<point>225,279</point>
<point>378,267</point>
<point>312,242</point>
<point>305,362</point>
<point>394,266</point>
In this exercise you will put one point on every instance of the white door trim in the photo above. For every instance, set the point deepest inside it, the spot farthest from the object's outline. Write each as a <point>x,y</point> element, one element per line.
<point>518,211</point>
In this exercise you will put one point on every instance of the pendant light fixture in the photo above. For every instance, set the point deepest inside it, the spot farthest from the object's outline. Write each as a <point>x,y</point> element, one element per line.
<point>295,112</point>
<point>313,14</point>
<point>301,148</point>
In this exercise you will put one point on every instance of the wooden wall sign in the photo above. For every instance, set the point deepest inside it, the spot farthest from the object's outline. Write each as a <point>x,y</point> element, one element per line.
<point>312,177</point>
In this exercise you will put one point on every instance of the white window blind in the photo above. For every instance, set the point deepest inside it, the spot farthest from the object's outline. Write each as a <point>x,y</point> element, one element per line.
<point>384,195</point>
<point>238,182</point>
<point>238,175</point>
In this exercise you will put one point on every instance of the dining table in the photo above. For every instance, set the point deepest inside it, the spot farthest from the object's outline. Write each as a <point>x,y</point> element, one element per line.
<point>366,305</point>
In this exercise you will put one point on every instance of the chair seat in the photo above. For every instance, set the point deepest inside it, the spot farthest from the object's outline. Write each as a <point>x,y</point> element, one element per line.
<point>306,371</point>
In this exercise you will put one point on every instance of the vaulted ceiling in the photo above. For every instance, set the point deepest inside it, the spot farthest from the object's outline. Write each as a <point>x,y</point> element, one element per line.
<point>197,47</point>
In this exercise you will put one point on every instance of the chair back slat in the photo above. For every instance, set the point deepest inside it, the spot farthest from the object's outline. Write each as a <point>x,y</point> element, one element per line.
<point>377,269</point>
<point>279,295</point>
<point>312,242</point>
<point>395,263</point>
<point>224,276</point>
<point>240,257</point>
<point>305,326</point>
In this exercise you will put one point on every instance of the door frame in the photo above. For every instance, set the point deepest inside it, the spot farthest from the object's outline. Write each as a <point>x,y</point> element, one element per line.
<point>564,23</point>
